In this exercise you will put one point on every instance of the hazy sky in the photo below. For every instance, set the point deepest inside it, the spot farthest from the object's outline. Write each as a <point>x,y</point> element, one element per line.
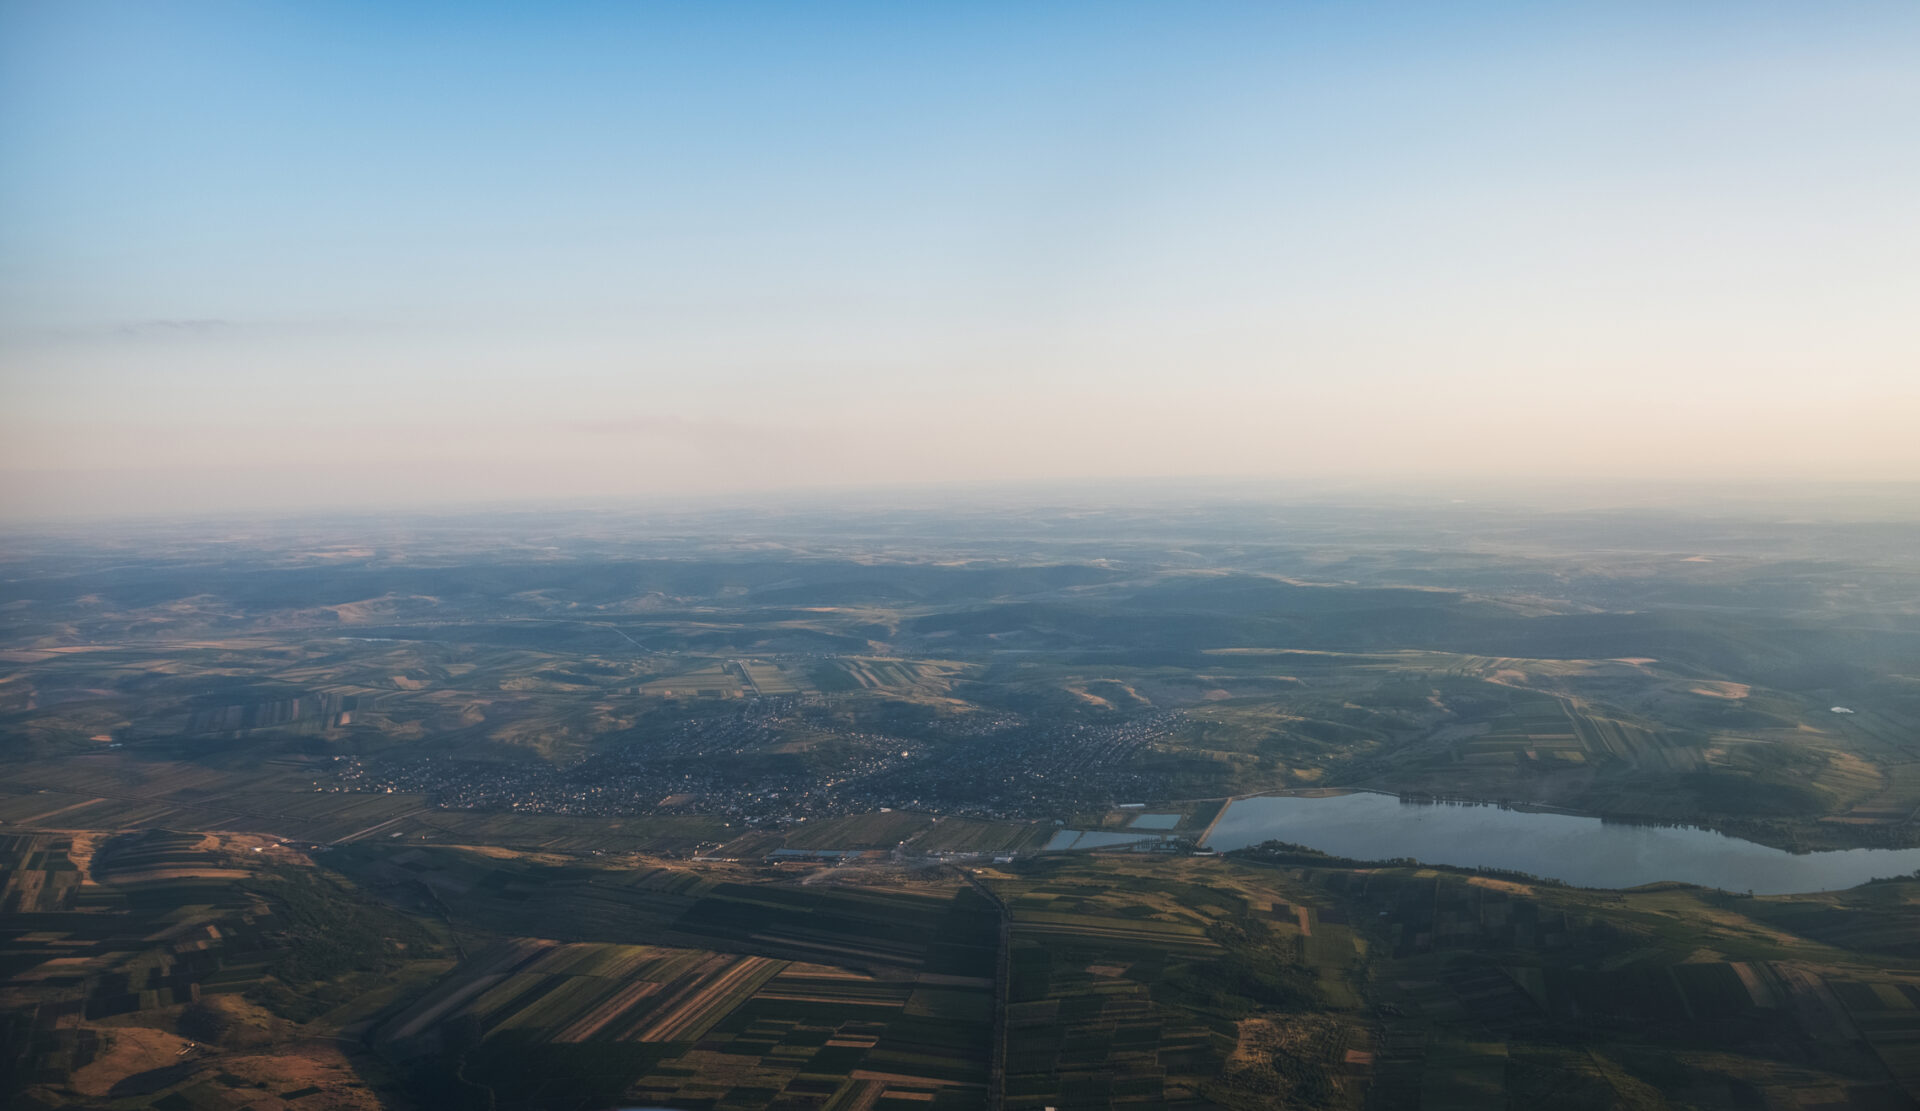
<point>337,253</point>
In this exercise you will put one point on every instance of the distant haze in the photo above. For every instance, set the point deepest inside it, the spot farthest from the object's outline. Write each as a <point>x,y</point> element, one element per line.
<point>353,254</point>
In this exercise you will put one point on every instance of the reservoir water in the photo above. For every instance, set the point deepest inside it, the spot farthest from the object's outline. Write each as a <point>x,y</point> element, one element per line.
<point>1582,851</point>
<point>1065,839</point>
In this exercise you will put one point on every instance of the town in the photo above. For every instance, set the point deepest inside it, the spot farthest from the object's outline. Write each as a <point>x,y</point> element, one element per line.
<point>731,766</point>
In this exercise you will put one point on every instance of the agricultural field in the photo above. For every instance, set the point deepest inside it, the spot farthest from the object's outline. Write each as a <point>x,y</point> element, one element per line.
<point>1129,985</point>
<point>582,992</point>
<point>679,834</point>
<point>1404,986</point>
<point>970,835</point>
<point>1480,983</point>
<point>694,905</point>
<point>110,791</point>
<point>182,969</point>
<point>771,678</point>
<point>716,680</point>
<point>861,831</point>
<point>902,677</point>
<point>695,1026</point>
<point>1534,730</point>
<point>751,993</point>
<point>552,979</point>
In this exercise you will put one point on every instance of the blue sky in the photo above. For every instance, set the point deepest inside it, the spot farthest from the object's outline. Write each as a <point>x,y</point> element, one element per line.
<point>338,253</point>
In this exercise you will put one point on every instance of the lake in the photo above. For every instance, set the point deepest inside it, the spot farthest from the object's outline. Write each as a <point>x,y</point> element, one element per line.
<point>1582,851</point>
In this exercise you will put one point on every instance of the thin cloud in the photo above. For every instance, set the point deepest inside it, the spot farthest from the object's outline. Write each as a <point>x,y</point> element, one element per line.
<point>142,329</point>
<point>672,426</point>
